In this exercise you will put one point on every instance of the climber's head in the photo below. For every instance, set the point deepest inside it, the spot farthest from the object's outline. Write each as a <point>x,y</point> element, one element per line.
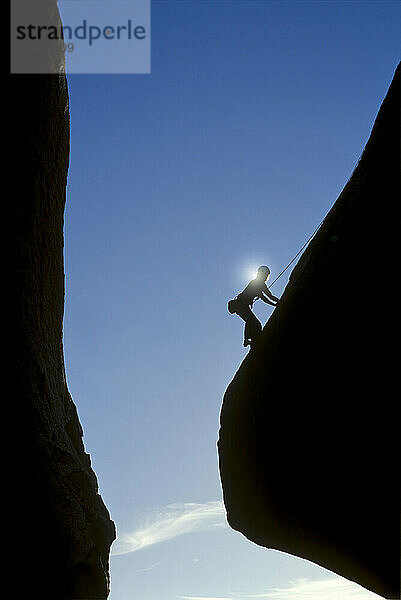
<point>263,273</point>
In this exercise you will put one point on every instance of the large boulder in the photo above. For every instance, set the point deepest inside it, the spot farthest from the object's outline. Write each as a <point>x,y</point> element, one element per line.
<point>61,529</point>
<point>308,445</point>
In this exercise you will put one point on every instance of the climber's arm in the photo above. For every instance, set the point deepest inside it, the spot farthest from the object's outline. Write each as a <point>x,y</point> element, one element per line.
<point>267,292</point>
<point>265,299</point>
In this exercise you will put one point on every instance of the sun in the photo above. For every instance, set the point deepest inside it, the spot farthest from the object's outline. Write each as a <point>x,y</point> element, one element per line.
<point>252,272</point>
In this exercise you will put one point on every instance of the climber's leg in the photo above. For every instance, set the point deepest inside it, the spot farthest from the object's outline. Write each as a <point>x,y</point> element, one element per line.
<point>247,334</point>
<point>254,327</point>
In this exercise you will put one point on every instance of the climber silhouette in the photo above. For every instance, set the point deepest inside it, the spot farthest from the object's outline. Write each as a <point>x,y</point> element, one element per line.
<point>241,305</point>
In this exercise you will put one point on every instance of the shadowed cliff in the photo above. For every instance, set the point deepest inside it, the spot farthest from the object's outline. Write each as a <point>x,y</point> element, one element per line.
<point>308,444</point>
<point>61,528</point>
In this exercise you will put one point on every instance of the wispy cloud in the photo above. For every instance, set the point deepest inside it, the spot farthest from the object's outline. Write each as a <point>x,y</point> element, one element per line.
<point>335,588</point>
<point>170,522</point>
<point>145,569</point>
<point>206,597</point>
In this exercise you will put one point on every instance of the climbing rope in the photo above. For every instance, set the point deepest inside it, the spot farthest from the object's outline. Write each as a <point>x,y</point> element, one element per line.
<point>298,253</point>
<point>319,226</point>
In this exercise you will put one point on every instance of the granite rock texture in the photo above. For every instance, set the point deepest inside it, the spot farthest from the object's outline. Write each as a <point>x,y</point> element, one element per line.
<point>62,531</point>
<point>308,443</point>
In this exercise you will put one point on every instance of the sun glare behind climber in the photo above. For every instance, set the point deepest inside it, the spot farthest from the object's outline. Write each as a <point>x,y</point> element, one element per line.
<point>243,303</point>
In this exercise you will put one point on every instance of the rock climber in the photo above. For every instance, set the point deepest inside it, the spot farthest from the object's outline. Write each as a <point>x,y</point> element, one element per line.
<point>243,303</point>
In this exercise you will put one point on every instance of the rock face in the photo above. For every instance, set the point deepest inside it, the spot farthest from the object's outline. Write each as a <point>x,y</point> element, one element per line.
<point>308,444</point>
<point>62,531</point>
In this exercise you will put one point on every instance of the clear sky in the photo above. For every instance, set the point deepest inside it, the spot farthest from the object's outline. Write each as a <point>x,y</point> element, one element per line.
<point>182,182</point>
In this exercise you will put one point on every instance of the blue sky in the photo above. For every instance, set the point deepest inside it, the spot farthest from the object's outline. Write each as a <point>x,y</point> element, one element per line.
<point>182,182</point>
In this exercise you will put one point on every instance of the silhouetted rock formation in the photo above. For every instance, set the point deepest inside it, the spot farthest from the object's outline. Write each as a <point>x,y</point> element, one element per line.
<point>61,529</point>
<point>308,445</point>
